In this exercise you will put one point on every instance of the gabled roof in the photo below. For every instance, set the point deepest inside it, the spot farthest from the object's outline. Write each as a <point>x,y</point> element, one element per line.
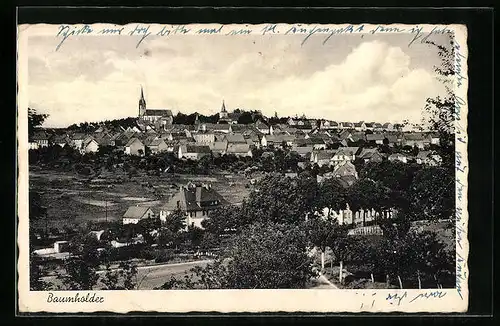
<point>241,128</point>
<point>149,139</point>
<point>317,140</point>
<point>345,169</point>
<point>368,152</point>
<point>387,124</point>
<point>218,146</point>
<point>158,112</point>
<point>237,148</point>
<point>60,139</point>
<point>391,138</point>
<point>303,141</point>
<point>156,142</point>
<point>284,138</point>
<point>347,151</point>
<point>136,212</point>
<point>196,149</point>
<point>235,138</point>
<point>346,180</point>
<point>195,198</point>
<point>414,136</point>
<point>372,137</point>
<point>78,136</point>
<point>260,124</point>
<point>132,140</point>
<point>325,154</point>
<point>41,135</point>
<point>303,150</point>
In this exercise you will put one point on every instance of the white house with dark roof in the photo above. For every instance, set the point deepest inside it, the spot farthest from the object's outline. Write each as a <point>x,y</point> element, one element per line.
<point>41,138</point>
<point>193,152</point>
<point>370,155</point>
<point>195,202</point>
<point>158,145</point>
<point>136,213</point>
<point>134,147</point>
<point>90,145</point>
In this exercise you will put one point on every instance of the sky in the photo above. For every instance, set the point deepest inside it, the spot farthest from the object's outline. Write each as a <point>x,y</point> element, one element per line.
<point>350,78</point>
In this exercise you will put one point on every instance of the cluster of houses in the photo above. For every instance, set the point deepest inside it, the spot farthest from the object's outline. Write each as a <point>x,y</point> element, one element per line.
<point>155,132</point>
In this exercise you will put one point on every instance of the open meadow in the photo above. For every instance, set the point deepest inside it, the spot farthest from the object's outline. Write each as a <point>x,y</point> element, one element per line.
<point>71,199</point>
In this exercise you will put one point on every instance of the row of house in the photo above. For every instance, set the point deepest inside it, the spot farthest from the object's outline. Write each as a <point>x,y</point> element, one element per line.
<point>349,154</point>
<point>195,141</point>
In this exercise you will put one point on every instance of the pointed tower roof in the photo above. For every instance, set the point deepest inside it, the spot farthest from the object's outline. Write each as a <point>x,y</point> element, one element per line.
<point>223,109</point>
<point>142,95</point>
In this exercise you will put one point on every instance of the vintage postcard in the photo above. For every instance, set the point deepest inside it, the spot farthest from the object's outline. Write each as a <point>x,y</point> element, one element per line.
<point>242,168</point>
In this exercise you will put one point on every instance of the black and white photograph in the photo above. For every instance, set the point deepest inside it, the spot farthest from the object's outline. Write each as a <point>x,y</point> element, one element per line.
<point>170,159</point>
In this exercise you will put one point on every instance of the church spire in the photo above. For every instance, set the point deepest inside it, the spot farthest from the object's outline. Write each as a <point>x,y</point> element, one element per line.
<point>142,104</point>
<point>223,109</point>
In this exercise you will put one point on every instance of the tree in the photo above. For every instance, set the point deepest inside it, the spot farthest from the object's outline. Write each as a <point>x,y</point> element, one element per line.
<point>432,194</point>
<point>331,195</point>
<point>37,211</point>
<point>80,275</point>
<point>412,256</point>
<point>36,282</point>
<point>35,120</point>
<point>280,199</point>
<point>123,278</point>
<point>246,118</point>
<point>146,226</point>
<point>175,221</point>
<point>367,194</point>
<point>263,256</point>
<point>442,109</point>
<point>224,220</point>
<point>321,232</point>
<point>194,235</point>
<point>81,268</point>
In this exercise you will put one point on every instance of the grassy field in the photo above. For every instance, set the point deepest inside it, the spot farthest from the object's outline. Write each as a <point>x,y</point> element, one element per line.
<point>72,199</point>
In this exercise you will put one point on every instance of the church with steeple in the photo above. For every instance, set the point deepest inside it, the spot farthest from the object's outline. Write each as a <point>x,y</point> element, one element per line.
<point>162,116</point>
<point>226,117</point>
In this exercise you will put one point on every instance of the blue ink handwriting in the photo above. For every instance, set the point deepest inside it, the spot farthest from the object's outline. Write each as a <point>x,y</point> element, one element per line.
<point>140,30</point>
<point>65,31</point>
<point>427,295</point>
<point>112,31</point>
<point>210,30</point>
<point>425,37</point>
<point>458,64</point>
<point>269,29</point>
<point>384,29</point>
<point>460,277</point>
<point>393,297</point>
